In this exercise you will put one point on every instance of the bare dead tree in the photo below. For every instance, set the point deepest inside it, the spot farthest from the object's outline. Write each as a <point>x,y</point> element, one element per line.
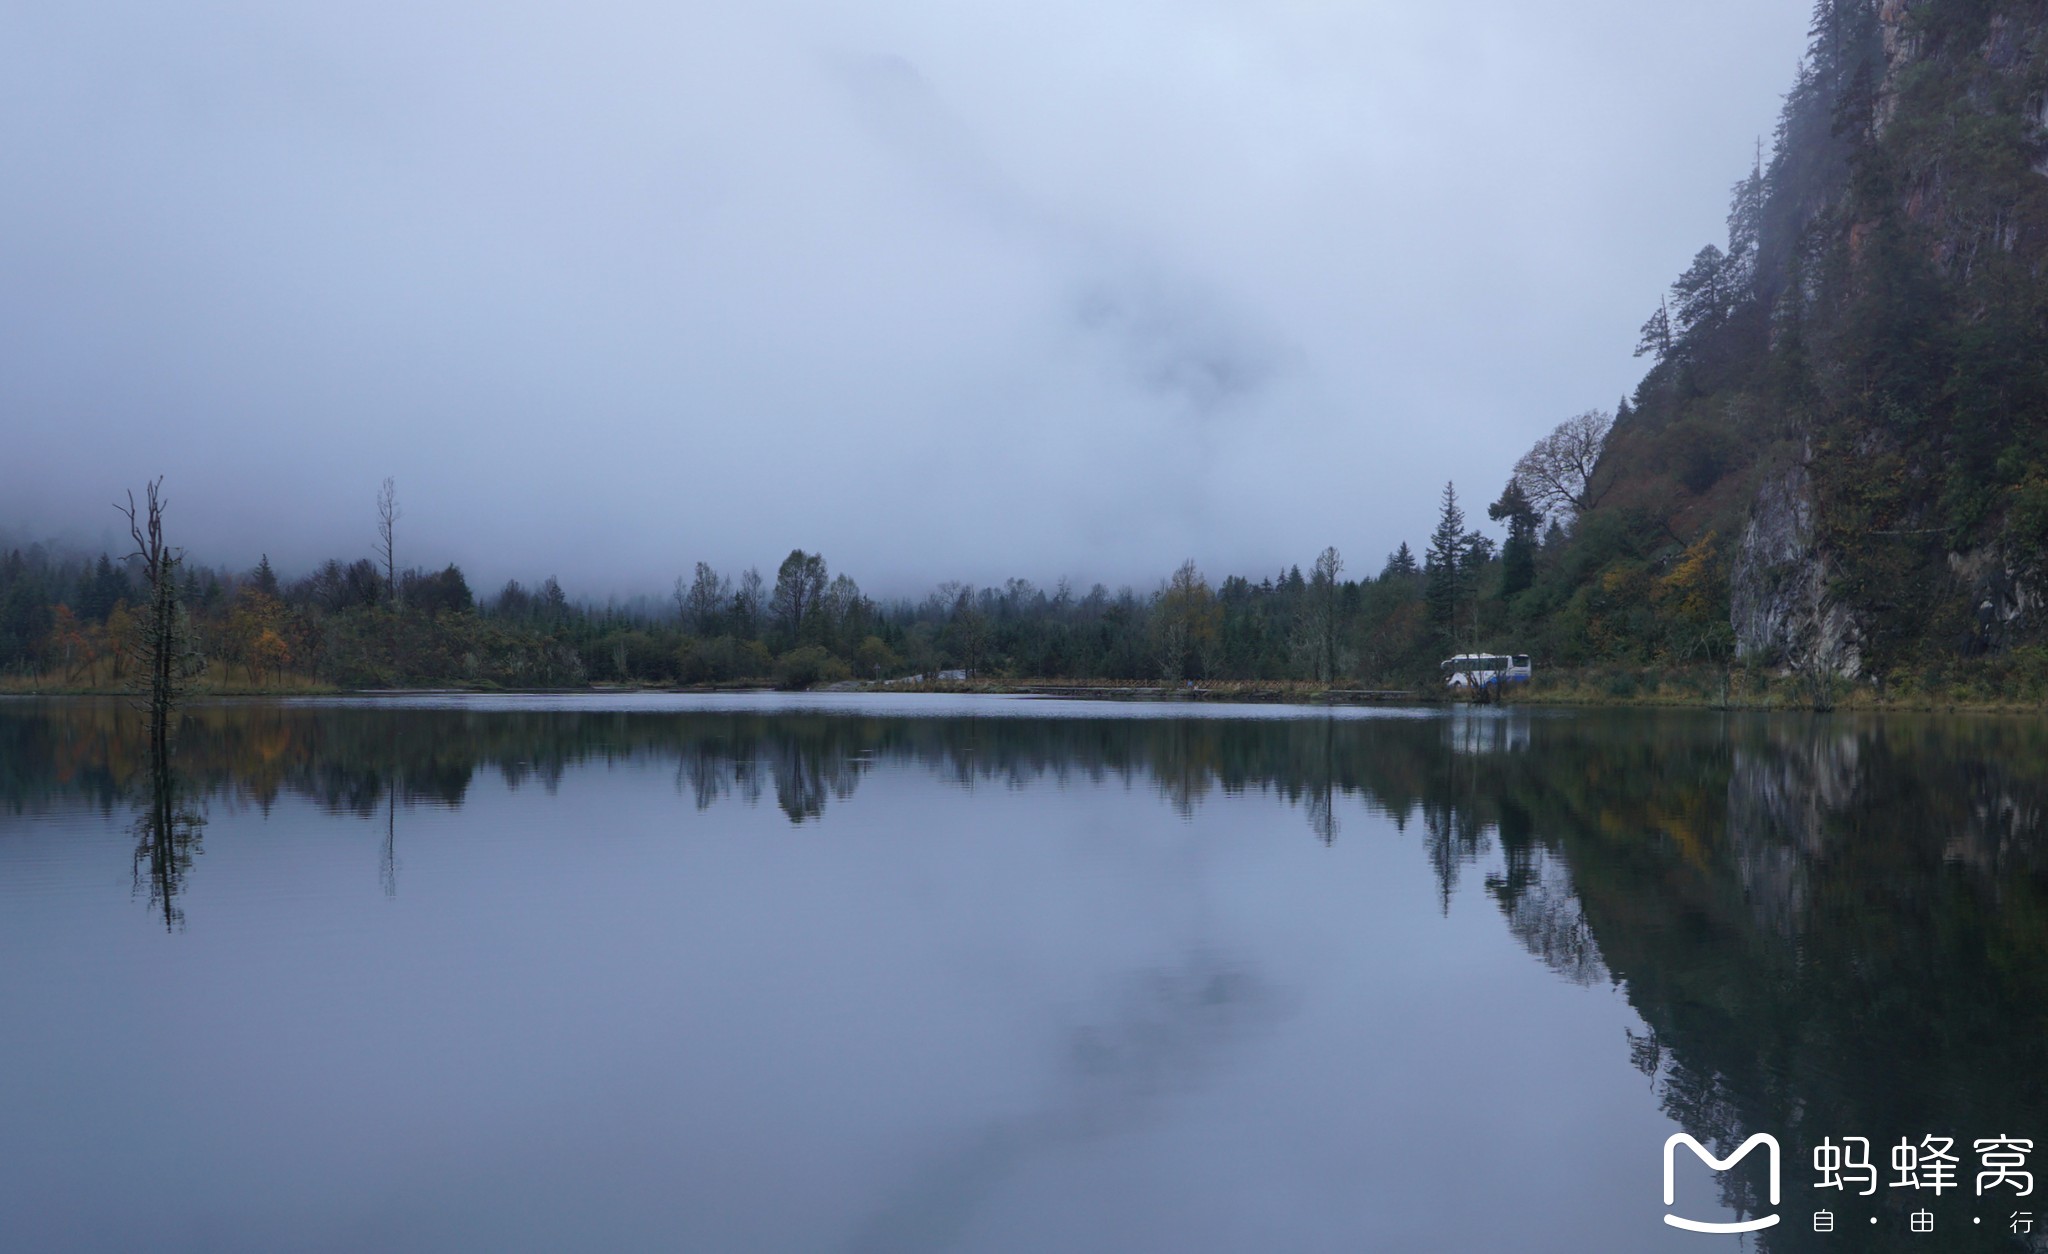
<point>162,649</point>
<point>1557,474</point>
<point>387,521</point>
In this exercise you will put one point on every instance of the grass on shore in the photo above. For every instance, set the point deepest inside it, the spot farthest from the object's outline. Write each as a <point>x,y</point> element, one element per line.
<point>2016,682</point>
<point>2011,684</point>
<point>219,679</point>
<point>1215,689</point>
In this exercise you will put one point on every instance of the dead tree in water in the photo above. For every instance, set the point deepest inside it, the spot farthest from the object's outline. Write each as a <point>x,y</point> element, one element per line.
<point>162,650</point>
<point>168,827</point>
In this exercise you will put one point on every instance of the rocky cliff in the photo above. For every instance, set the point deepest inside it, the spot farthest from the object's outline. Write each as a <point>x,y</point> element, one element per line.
<point>1850,400</point>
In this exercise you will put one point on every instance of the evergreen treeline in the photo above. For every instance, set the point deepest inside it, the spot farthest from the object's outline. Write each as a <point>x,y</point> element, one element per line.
<point>70,621</point>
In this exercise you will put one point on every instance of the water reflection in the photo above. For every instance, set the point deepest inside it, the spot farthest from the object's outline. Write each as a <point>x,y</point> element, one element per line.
<point>1154,1037</point>
<point>166,840</point>
<point>1828,927</point>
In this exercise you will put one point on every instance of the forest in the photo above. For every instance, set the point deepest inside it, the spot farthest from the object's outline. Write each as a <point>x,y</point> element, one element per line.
<point>69,621</point>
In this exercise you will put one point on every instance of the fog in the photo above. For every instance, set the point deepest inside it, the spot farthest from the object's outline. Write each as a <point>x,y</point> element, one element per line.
<point>944,291</point>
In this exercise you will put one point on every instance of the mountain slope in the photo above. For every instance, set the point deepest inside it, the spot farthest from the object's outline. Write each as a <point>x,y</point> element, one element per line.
<point>1847,413</point>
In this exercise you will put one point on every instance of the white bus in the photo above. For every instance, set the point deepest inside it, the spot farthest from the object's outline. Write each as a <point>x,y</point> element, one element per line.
<point>1485,670</point>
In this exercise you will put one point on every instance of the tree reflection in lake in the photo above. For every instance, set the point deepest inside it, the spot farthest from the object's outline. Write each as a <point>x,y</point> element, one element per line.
<point>1828,926</point>
<point>166,840</point>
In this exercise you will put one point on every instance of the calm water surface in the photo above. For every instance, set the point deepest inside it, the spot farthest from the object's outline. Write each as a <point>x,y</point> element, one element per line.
<point>863,974</point>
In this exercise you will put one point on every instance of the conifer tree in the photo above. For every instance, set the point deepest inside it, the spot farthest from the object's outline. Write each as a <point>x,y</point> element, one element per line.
<point>1518,553</point>
<point>1656,334</point>
<point>1401,563</point>
<point>1443,566</point>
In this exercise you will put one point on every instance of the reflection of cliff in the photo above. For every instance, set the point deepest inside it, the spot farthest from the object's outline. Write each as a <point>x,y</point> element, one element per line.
<point>1779,801</point>
<point>1542,909</point>
<point>1857,944</point>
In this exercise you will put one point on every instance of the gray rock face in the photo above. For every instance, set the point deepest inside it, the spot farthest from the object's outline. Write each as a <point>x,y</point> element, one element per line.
<point>1778,601</point>
<point>1901,46</point>
<point>2002,599</point>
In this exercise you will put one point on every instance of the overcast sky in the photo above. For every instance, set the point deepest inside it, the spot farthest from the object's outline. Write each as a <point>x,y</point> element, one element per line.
<point>943,290</point>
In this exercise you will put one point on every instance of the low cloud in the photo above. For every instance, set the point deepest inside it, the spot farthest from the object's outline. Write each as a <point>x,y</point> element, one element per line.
<point>944,292</point>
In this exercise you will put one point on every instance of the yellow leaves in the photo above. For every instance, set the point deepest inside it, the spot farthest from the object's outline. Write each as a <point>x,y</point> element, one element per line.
<point>256,628</point>
<point>273,743</point>
<point>269,649</point>
<point>1687,592</point>
<point>74,646</point>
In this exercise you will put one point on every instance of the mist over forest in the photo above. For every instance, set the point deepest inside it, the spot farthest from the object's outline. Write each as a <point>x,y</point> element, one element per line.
<point>613,291</point>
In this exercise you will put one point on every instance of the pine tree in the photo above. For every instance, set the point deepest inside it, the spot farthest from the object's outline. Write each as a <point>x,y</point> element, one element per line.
<point>1401,563</point>
<point>1443,566</point>
<point>1656,335</point>
<point>1518,553</point>
<point>1745,232</point>
<point>1702,294</point>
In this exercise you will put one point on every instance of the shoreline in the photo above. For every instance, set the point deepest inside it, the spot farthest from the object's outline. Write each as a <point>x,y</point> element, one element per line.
<point>1646,688</point>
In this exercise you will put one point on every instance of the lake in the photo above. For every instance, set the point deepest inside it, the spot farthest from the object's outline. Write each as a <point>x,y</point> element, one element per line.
<point>918,973</point>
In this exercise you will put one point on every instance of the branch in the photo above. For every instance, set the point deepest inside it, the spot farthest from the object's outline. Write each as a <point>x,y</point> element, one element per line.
<point>133,530</point>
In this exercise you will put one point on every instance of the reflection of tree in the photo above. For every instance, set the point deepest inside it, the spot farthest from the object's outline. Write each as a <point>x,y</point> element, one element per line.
<point>1182,765</point>
<point>167,838</point>
<point>802,778</point>
<point>1454,839</point>
<point>352,759</point>
<point>1454,823</point>
<point>1322,815</point>
<point>1542,910</point>
<point>387,869</point>
<point>706,776</point>
<point>1322,801</point>
<point>1534,890</point>
<point>394,767</point>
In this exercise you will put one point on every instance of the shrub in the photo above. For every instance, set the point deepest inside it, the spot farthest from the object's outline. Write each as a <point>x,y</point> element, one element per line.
<point>877,660</point>
<point>808,667</point>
